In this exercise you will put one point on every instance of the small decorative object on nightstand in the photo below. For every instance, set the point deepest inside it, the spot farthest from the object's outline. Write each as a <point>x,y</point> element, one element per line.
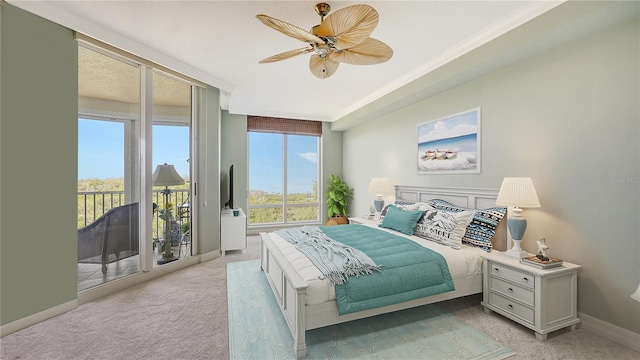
<point>544,300</point>
<point>542,248</point>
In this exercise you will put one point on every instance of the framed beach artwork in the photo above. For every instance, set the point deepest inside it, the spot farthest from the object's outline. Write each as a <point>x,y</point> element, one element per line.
<point>450,145</point>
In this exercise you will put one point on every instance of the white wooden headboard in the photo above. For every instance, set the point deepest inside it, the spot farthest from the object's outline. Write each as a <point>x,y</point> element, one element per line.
<point>467,197</point>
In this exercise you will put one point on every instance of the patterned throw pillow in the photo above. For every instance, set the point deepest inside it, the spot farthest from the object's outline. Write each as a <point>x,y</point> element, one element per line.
<point>483,225</point>
<point>444,227</point>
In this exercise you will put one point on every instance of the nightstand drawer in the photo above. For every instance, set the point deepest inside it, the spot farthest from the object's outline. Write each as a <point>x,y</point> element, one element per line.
<point>505,272</point>
<point>512,307</point>
<point>510,290</point>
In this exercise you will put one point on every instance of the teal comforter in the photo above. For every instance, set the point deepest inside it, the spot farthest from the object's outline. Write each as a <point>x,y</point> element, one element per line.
<point>409,271</point>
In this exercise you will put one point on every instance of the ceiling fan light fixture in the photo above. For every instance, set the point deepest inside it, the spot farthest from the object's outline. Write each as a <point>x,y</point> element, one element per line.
<point>349,27</point>
<point>322,50</point>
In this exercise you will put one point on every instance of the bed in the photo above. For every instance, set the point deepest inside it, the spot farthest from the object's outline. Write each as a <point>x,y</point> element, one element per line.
<point>308,301</point>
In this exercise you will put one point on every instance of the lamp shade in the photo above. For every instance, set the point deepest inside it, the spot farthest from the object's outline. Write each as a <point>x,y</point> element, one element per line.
<point>380,186</point>
<point>518,192</point>
<point>166,175</point>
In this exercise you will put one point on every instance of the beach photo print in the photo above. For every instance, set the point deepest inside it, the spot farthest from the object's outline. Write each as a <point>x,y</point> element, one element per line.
<point>450,145</point>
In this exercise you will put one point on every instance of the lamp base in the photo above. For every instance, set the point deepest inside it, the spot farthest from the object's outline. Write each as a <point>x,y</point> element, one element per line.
<point>378,204</point>
<point>517,253</point>
<point>166,258</point>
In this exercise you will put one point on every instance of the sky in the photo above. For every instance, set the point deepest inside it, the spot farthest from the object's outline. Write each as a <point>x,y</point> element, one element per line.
<point>101,148</point>
<point>101,155</point>
<point>265,162</point>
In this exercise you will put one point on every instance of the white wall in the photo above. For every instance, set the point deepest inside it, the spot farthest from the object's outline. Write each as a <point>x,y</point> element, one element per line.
<point>568,118</point>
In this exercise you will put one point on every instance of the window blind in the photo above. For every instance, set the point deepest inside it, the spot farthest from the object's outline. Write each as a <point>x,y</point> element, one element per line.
<point>284,126</point>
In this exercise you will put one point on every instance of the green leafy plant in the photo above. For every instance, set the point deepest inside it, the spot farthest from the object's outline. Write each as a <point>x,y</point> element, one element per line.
<point>185,227</point>
<point>338,196</point>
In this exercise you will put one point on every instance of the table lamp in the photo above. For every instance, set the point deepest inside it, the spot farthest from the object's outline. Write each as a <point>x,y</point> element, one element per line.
<point>519,193</point>
<point>166,175</point>
<point>379,186</point>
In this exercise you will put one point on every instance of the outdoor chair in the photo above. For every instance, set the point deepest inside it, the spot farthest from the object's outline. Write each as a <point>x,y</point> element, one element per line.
<point>112,237</point>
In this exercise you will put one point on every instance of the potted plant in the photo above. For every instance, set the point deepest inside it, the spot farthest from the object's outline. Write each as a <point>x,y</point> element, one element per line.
<point>338,198</point>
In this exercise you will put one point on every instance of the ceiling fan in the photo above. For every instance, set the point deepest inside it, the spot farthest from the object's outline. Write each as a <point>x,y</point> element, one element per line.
<point>340,37</point>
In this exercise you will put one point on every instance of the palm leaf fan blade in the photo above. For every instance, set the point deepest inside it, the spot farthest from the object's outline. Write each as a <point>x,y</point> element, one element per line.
<point>288,29</point>
<point>322,67</point>
<point>285,55</point>
<point>370,51</point>
<point>350,25</point>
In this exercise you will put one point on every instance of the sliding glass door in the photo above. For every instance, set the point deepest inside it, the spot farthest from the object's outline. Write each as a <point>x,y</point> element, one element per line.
<point>108,168</point>
<point>123,225</point>
<point>171,145</point>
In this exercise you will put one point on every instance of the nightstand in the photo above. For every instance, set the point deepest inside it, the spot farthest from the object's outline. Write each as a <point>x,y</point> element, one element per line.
<point>542,300</point>
<point>364,220</point>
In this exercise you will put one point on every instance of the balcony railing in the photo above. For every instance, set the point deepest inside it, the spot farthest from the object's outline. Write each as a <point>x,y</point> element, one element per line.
<point>93,204</point>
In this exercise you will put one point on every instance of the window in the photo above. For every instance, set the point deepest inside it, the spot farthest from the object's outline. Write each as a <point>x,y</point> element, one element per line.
<point>283,174</point>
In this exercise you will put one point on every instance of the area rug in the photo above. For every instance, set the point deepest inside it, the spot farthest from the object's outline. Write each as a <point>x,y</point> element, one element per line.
<point>257,329</point>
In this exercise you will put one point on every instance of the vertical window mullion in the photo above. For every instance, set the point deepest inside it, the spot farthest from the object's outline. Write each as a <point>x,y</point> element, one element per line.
<point>146,139</point>
<point>284,178</point>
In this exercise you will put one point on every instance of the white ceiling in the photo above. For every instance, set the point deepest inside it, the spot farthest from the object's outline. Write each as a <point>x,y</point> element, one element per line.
<point>221,42</point>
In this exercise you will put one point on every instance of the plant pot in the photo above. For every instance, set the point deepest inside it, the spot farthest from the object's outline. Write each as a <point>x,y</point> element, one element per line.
<point>338,220</point>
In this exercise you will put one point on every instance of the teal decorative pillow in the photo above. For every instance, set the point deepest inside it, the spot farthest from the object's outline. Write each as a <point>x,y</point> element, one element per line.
<point>444,227</point>
<point>401,220</point>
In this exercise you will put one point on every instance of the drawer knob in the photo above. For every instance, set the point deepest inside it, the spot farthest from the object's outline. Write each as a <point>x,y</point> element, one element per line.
<point>510,307</point>
<point>510,290</point>
<point>495,270</point>
<point>525,280</point>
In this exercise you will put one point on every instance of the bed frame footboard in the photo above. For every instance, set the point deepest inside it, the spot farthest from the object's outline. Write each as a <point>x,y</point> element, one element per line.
<point>289,289</point>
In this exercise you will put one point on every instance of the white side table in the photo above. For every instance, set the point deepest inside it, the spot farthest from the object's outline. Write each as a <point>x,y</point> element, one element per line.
<point>364,220</point>
<point>233,231</point>
<point>544,300</point>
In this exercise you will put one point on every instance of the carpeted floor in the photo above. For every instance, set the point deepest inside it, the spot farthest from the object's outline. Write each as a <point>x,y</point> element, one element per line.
<point>183,315</point>
<point>258,330</point>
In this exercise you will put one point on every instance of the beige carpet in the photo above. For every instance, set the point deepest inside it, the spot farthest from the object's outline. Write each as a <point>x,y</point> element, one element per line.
<point>184,316</point>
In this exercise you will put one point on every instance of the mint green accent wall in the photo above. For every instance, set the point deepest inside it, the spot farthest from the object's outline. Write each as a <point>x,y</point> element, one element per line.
<point>38,153</point>
<point>233,151</point>
<point>568,118</point>
<point>208,165</point>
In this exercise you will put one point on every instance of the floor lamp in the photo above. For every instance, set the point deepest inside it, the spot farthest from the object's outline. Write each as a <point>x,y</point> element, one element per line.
<point>166,175</point>
<point>519,193</point>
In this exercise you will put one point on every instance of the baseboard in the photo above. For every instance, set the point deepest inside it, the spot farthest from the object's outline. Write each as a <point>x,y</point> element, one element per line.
<point>27,321</point>
<point>614,333</point>
<point>210,255</point>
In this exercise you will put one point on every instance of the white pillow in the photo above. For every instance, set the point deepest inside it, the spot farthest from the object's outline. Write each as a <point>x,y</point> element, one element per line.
<point>444,227</point>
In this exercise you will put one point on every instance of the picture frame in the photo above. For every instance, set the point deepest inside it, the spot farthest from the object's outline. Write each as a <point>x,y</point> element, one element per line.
<point>450,145</point>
